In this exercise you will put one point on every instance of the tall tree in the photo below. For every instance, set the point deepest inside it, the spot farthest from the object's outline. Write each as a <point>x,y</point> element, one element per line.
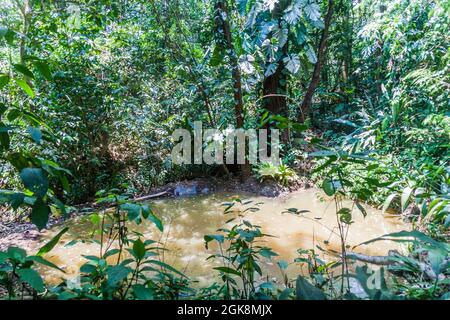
<point>222,18</point>
<point>307,100</point>
<point>275,84</point>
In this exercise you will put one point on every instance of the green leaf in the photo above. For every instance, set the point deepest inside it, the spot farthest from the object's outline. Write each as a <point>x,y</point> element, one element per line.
<point>405,197</point>
<point>312,10</point>
<point>5,141</point>
<point>88,268</point>
<point>270,70</point>
<point>39,214</point>
<point>16,200</point>
<point>13,114</point>
<point>8,34</point>
<point>43,69</point>
<point>361,208</point>
<point>365,276</point>
<point>246,64</point>
<point>18,254</point>
<point>52,243</point>
<point>31,277</point>
<point>306,291</point>
<point>44,262</point>
<point>111,253</point>
<point>283,264</point>
<point>311,55</point>
<point>35,134</point>
<point>35,180</point>
<point>323,153</point>
<point>58,203</point>
<point>292,63</point>
<point>117,273</point>
<point>217,57</point>
<point>4,79</point>
<point>19,161</point>
<point>166,266</point>
<point>345,215</point>
<point>25,87</point>
<point>267,253</point>
<point>210,237</point>
<point>329,187</point>
<point>24,70</point>
<point>409,236</point>
<point>3,257</point>
<point>447,221</point>
<point>285,294</point>
<point>133,210</point>
<point>388,202</point>
<point>142,293</point>
<point>228,270</point>
<point>153,218</point>
<point>139,249</point>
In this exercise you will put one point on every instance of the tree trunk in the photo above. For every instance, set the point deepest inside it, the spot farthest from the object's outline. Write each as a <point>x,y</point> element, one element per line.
<point>274,90</point>
<point>307,100</point>
<point>275,85</point>
<point>223,25</point>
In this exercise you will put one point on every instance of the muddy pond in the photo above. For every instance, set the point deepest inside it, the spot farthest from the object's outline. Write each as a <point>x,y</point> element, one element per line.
<point>188,219</point>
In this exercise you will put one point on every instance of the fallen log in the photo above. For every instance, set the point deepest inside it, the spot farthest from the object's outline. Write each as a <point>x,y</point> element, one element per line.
<point>151,196</point>
<point>378,260</point>
<point>424,267</point>
<point>97,206</point>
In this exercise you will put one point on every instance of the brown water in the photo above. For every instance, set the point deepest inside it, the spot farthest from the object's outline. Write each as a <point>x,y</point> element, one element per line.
<point>187,220</point>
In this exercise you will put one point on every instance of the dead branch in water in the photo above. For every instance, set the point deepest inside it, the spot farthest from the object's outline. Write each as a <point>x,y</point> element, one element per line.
<point>151,196</point>
<point>424,267</point>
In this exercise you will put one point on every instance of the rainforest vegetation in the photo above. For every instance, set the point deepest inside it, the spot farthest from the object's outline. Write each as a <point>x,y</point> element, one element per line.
<point>91,92</point>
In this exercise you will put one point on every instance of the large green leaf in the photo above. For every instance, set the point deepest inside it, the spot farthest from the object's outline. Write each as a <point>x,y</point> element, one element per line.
<point>25,87</point>
<point>35,180</point>
<point>292,63</point>
<point>117,274</point>
<point>52,243</point>
<point>43,69</point>
<point>311,55</point>
<point>40,214</point>
<point>139,249</point>
<point>4,79</point>
<point>158,223</point>
<point>133,210</point>
<point>228,270</point>
<point>5,141</point>
<point>35,134</point>
<point>409,236</point>
<point>31,277</point>
<point>142,293</point>
<point>18,254</point>
<point>211,237</point>
<point>330,186</point>
<point>388,201</point>
<point>166,266</point>
<point>44,262</point>
<point>24,70</point>
<point>373,283</point>
<point>306,291</point>
<point>312,10</point>
<point>405,197</point>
